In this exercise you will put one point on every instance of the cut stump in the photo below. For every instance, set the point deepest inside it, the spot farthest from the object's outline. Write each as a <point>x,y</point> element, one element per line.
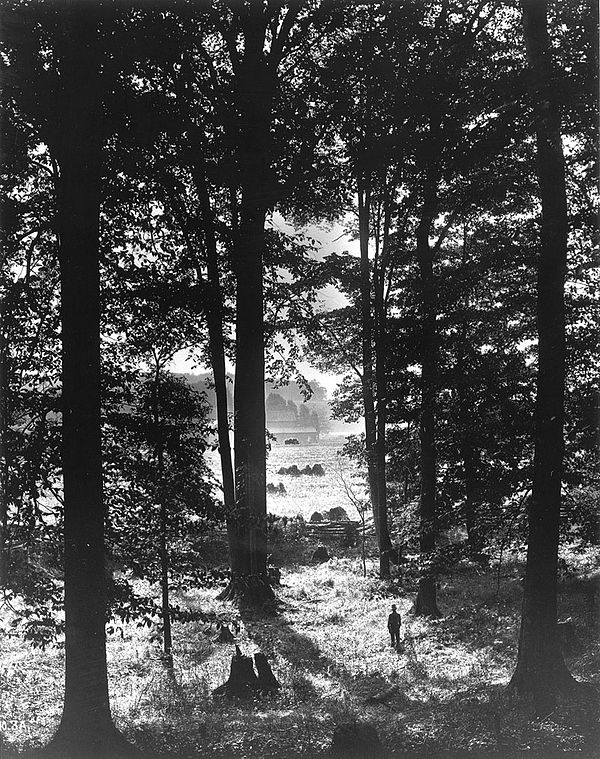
<point>267,682</point>
<point>242,681</point>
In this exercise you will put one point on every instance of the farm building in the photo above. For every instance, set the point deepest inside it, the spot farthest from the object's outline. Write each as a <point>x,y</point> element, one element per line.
<point>288,431</point>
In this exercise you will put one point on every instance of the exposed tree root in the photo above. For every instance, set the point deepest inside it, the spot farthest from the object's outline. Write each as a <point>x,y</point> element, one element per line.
<point>250,591</point>
<point>76,743</point>
<point>425,602</point>
<point>545,685</point>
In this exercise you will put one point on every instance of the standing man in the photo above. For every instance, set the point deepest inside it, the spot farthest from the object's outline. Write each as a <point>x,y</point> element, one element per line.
<point>394,623</point>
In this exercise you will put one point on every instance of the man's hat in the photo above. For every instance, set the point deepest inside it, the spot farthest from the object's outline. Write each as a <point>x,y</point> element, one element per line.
<point>393,607</point>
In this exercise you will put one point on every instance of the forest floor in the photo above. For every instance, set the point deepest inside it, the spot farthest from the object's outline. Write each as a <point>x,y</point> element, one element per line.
<point>330,651</point>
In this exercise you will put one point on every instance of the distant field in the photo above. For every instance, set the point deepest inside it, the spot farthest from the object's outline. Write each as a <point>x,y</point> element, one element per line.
<point>304,494</point>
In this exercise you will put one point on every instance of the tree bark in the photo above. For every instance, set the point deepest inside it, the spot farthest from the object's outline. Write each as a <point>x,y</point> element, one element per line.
<point>164,588</point>
<point>255,83</point>
<point>471,490</point>
<point>4,451</point>
<point>426,602</point>
<point>541,669</point>
<point>364,223</point>
<point>86,727</point>
<point>217,358</point>
<point>380,344</point>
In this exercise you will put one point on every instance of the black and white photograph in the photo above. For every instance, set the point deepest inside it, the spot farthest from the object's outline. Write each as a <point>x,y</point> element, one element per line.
<point>299,379</point>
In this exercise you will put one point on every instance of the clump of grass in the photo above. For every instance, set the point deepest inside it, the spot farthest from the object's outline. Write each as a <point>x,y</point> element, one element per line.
<point>334,618</point>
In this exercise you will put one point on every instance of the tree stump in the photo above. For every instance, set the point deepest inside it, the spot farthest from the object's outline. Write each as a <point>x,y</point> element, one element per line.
<point>242,681</point>
<point>267,682</point>
<point>358,740</point>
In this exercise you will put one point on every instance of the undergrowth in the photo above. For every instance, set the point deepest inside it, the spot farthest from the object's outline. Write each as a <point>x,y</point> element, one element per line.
<point>330,651</point>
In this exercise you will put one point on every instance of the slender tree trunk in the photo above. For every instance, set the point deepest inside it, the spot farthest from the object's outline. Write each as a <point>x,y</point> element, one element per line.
<point>465,407</point>
<point>385,543</point>
<point>163,547</point>
<point>541,669</point>
<point>471,491</point>
<point>164,587</point>
<point>86,727</point>
<point>426,602</point>
<point>364,222</point>
<point>4,450</point>
<point>217,358</point>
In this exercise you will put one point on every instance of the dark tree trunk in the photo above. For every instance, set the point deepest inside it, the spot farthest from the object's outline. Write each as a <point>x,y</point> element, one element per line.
<point>380,342</point>
<point>4,452</point>
<point>163,541</point>
<point>364,215</point>
<point>86,727</point>
<point>471,491</point>
<point>426,603</point>
<point>249,547</point>
<point>217,357</point>
<point>254,93</point>
<point>541,669</point>
<point>465,406</point>
<point>164,588</point>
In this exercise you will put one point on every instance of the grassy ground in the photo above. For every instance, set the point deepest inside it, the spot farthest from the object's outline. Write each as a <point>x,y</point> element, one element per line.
<point>329,649</point>
<point>304,494</point>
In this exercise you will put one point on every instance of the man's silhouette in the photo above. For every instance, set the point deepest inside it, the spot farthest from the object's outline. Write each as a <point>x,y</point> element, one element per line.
<point>394,623</point>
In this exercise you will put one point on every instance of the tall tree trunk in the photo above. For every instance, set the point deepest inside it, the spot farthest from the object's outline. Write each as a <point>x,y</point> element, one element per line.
<point>4,450</point>
<point>541,669</point>
<point>164,587</point>
<point>471,490</point>
<point>86,727</point>
<point>426,601</point>
<point>217,359</point>
<point>364,223</point>
<point>254,91</point>
<point>163,546</point>
<point>465,406</point>
<point>380,344</point>
<point>249,548</point>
